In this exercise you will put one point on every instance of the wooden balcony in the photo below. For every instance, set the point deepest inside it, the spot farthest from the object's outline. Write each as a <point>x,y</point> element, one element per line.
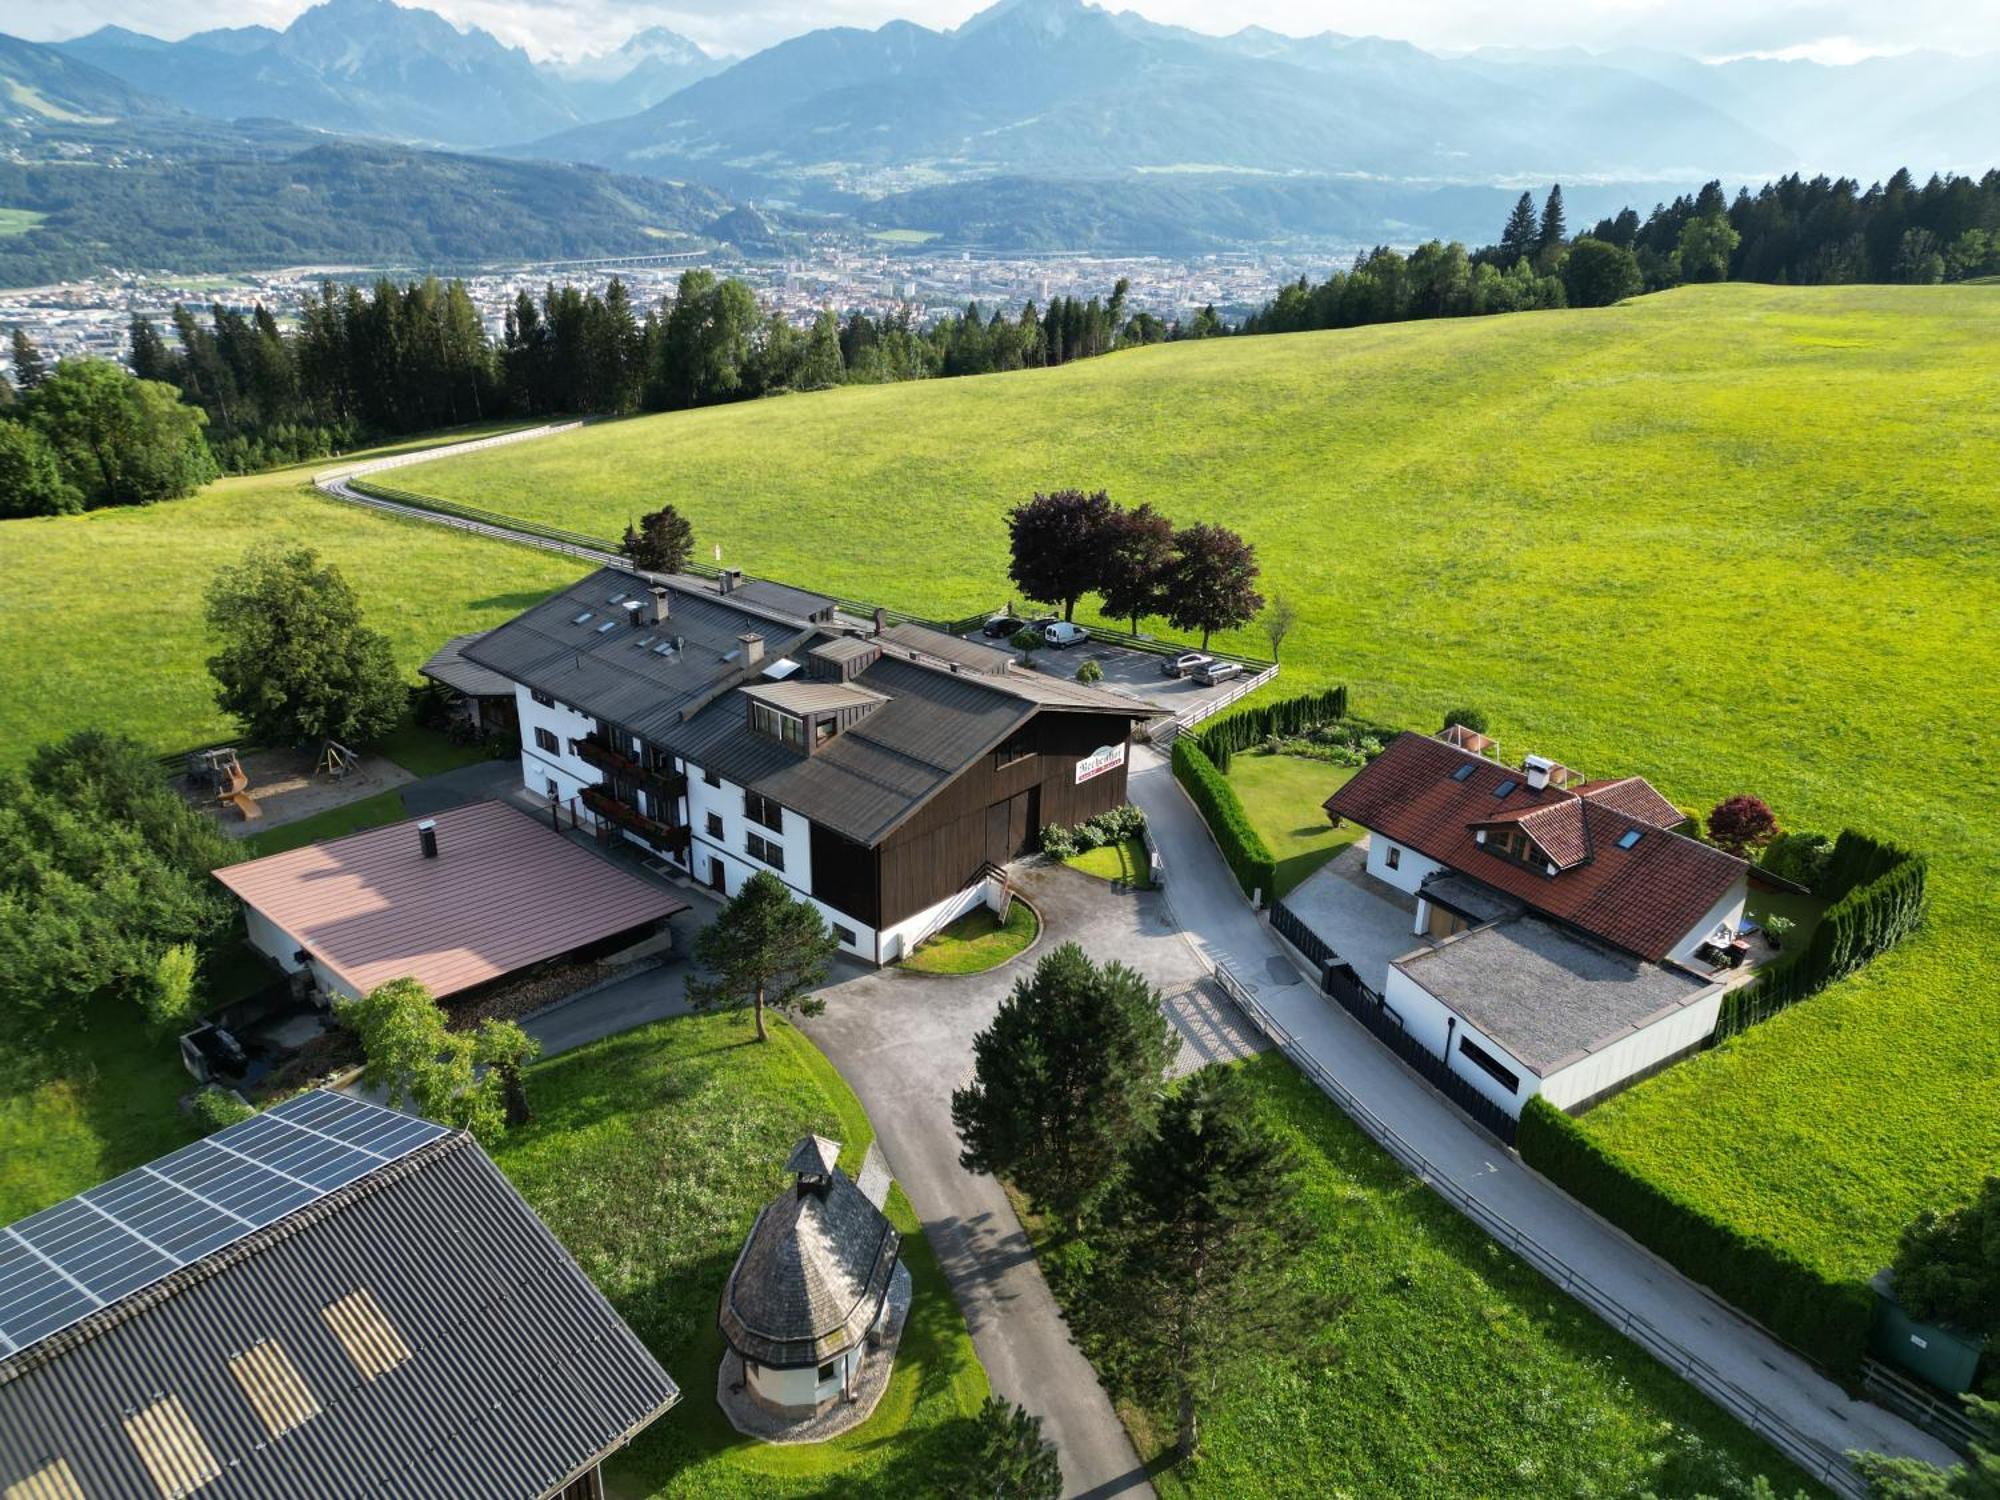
<point>660,835</point>
<point>593,751</point>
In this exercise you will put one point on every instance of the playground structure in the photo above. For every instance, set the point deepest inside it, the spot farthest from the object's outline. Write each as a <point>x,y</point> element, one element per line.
<point>222,772</point>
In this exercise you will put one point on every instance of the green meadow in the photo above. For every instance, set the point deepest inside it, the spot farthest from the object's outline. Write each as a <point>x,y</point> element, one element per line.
<point>1735,538</point>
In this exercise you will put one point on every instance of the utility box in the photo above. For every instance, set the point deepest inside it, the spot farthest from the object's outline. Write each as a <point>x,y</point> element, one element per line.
<point>1938,1356</point>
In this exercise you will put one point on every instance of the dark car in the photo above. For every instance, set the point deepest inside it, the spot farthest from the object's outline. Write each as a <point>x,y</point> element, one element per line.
<point>1002,625</point>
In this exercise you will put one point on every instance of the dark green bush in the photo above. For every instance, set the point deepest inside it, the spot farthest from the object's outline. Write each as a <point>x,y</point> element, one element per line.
<point>1823,1319</point>
<point>214,1108</point>
<point>1249,859</point>
<point>1798,857</point>
<point>1221,738</point>
<point>1877,891</point>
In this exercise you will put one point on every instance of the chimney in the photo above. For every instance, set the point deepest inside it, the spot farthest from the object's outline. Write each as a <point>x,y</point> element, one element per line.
<point>753,651</point>
<point>662,605</point>
<point>732,580</point>
<point>1538,768</point>
<point>427,836</point>
<point>881,621</point>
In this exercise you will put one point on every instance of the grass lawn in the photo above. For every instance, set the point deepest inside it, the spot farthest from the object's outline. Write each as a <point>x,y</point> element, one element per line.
<point>1282,796</point>
<point>649,1157</point>
<point>18,220</point>
<point>130,581</point>
<point>94,1107</point>
<point>351,817</point>
<point>1453,1371</point>
<point>1124,862</point>
<point>977,941</point>
<point>426,752</point>
<point>1736,538</point>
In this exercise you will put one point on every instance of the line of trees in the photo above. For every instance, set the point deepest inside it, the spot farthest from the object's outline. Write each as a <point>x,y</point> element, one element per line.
<point>1793,231</point>
<point>1069,543</point>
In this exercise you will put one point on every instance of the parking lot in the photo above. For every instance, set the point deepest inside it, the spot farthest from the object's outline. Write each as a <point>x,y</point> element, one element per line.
<point>1129,671</point>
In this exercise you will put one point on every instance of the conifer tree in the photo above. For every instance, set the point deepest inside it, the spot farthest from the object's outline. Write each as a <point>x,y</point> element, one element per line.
<point>1522,233</point>
<point>30,369</point>
<point>764,950</point>
<point>1555,227</point>
<point>1009,1458</point>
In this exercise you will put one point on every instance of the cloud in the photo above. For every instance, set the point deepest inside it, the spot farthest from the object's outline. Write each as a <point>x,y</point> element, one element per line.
<point>1833,30</point>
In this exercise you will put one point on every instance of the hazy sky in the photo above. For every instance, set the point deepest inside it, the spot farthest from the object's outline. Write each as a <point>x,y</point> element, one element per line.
<point>1830,30</point>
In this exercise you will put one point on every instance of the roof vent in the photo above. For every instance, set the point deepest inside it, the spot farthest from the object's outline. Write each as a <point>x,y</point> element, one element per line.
<point>751,649</point>
<point>662,604</point>
<point>427,837</point>
<point>1538,768</point>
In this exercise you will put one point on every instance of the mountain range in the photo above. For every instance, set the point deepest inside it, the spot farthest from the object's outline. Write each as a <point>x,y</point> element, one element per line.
<point>374,68</point>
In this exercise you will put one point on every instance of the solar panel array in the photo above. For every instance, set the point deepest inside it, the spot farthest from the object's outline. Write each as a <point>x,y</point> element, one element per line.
<point>64,1263</point>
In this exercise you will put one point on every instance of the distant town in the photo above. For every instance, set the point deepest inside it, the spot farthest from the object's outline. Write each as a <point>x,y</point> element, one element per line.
<point>91,317</point>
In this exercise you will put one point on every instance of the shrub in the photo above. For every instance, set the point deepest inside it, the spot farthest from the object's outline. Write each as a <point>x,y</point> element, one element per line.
<point>169,994</point>
<point>1058,842</point>
<point>213,1108</point>
<point>1824,1319</point>
<point>1742,823</point>
<point>1220,738</point>
<point>1090,671</point>
<point>1947,1265</point>
<point>1878,898</point>
<point>1242,847</point>
<point>1472,718</point>
<point>1110,827</point>
<point>1027,638</point>
<point>1798,857</point>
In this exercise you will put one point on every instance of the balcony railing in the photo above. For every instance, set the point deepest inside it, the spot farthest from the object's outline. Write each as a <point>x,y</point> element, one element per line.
<point>652,830</point>
<point>593,751</point>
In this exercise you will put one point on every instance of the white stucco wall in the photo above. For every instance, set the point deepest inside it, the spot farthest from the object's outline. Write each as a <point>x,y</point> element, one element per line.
<point>804,1388</point>
<point>1428,1019</point>
<point>1412,869</point>
<point>896,941</point>
<point>1729,910</point>
<point>1634,1053</point>
<point>271,940</point>
<point>539,766</point>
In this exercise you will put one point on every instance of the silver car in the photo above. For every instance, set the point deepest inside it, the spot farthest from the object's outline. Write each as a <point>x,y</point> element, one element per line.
<point>1182,665</point>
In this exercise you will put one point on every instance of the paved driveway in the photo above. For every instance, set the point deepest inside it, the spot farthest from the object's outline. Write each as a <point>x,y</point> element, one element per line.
<point>903,1041</point>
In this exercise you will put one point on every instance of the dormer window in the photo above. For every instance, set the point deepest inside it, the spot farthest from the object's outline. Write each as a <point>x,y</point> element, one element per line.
<point>786,728</point>
<point>1512,843</point>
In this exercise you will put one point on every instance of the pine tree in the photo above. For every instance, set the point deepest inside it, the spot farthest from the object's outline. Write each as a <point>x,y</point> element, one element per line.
<point>662,542</point>
<point>1010,1459</point>
<point>1522,234</point>
<point>30,369</point>
<point>1065,1080</point>
<point>1202,1267</point>
<point>764,950</point>
<point>1555,228</point>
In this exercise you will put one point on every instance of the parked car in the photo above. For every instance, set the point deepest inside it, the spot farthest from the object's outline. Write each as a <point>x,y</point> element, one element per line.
<point>1061,634</point>
<point>1002,626</point>
<point>1186,662</point>
<point>1210,672</point>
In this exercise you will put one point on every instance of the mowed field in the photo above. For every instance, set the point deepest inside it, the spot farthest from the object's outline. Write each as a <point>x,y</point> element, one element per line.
<point>1736,538</point>
<point>101,614</point>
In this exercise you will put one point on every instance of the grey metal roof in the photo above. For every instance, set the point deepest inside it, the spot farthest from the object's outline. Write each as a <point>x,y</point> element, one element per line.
<point>785,599</point>
<point>1547,995</point>
<point>421,1327</point>
<point>1471,899</point>
<point>948,648</point>
<point>811,1277</point>
<point>846,648</point>
<point>806,696</point>
<point>449,666</point>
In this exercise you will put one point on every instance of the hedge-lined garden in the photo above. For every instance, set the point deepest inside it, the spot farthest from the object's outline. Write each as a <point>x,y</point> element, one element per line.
<point>1877,892</point>
<point>1825,1319</point>
<point>1221,738</point>
<point>1242,846</point>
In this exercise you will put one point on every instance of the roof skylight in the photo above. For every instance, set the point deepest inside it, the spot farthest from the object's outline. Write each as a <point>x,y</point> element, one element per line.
<point>1464,772</point>
<point>1505,787</point>
<point>582,618</point>
<point>607,625</point>
<point>1628,838</point>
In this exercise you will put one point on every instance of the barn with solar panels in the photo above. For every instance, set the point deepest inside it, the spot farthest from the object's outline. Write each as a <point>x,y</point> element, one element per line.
<point>330,1299</point>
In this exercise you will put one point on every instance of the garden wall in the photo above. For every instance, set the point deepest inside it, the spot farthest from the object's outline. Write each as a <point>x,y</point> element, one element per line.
<point>1877,891</point>
<point>1243,848</point>
<point>1823,1319</point>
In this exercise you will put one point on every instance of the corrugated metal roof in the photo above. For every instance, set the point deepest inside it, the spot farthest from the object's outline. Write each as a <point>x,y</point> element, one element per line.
<point>449,666</point>
<point>519,1374</point>
<point>810,697</point>
<point>503,892</point>
<point>785,599</point>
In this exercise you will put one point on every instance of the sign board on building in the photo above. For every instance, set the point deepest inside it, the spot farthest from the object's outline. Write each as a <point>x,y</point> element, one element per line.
<point>1103,758</point>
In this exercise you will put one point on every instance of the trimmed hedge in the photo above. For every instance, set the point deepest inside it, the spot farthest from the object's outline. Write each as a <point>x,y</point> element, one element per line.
<point>1825,1320</point>
<point>1878,900</point>
<point>1242,846</point>
<point>1220,738</point>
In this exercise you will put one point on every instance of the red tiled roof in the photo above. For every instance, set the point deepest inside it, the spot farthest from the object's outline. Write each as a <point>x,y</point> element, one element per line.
<point>503,892</point>
<point>1635,798</point>
<point>1643,899</point>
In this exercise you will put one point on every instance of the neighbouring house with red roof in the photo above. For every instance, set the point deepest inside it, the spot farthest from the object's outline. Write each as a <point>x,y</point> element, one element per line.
<point>1537,932</point>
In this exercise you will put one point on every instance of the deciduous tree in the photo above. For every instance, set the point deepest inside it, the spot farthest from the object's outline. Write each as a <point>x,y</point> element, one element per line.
<point>1202,1261</point>
<point>295,663</point>
<point>663,542</point>
<point>1597,274</point>
<point>120,441</point>
<point>1947,1264</point>
<point>1138,556</point>
<point>1279,617</point>
<point>764,950</point>
<point>1065,1080</point>
<point>1978,1478</point>
<point>1059,542</point>
<point>1213,583</point>
<point>31,481</point>
<point>1742,823</point>
<point>1705,247</point>
<point>467,1080</point>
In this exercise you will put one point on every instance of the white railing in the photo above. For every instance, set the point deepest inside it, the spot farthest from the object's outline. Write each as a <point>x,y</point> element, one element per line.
<point>442,450</point>
<point>1821,1462</point>
<point>1163,733</point>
